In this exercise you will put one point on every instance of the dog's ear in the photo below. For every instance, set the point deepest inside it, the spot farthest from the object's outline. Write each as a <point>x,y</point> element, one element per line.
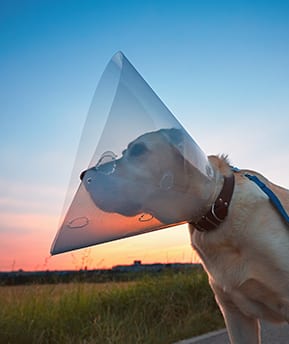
<point>174,136</point>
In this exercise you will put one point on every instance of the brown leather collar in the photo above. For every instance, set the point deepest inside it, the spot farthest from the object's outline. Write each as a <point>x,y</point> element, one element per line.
<point>219,209</point>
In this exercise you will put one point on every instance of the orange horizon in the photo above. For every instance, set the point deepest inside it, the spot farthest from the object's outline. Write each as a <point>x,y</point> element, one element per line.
<point>25,245</point>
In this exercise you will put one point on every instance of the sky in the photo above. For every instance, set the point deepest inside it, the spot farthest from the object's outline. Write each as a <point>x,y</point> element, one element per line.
<point>221,67</point>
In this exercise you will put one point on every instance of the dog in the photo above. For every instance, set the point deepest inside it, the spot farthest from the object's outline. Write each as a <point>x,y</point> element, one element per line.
<point>245,254</point>
<point>152,176</point>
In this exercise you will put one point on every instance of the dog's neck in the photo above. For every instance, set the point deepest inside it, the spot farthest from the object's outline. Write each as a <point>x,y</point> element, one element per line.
<point>221,186</point>
<point>221,167</point>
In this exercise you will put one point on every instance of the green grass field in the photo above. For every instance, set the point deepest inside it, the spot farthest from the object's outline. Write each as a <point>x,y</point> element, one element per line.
<point>154,310</point>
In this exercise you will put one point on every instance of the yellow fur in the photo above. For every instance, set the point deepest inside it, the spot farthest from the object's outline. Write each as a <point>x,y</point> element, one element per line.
<point>247,257</point>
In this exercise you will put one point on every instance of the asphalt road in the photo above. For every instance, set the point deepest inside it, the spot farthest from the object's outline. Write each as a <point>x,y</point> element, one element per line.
<point>271,334</point>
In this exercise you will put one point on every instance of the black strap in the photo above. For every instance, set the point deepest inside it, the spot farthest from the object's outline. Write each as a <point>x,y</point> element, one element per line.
<point>219,209</point>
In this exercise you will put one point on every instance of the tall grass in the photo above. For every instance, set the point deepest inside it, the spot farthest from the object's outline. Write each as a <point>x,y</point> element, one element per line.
<point>155,310</point>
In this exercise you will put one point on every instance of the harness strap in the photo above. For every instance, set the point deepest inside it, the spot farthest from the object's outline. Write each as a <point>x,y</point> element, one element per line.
<point>272,196</point>
<point>219,209</point>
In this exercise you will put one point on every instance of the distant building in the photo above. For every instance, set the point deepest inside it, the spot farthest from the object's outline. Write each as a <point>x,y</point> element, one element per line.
<point>156,267</point>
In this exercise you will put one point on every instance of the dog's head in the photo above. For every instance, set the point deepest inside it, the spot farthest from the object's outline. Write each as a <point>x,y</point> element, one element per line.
<point>151,176</point>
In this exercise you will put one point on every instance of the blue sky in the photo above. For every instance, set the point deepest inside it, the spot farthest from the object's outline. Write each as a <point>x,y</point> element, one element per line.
<point>222,67</point>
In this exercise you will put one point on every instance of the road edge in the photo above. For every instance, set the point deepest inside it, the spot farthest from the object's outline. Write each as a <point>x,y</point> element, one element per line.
<point>202,337</point>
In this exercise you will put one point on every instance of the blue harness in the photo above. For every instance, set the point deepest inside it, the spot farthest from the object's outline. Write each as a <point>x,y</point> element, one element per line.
<point>272,196</point>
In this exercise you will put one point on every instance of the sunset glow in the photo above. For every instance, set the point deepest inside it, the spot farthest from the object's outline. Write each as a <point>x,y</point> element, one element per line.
<point>222,68</point>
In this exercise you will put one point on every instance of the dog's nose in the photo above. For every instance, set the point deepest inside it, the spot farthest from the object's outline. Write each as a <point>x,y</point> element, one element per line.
<point>82,174</point>
<point>106,164</point>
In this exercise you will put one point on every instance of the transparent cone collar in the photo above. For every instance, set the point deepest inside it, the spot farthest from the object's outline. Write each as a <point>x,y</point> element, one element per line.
<point>139,169</point>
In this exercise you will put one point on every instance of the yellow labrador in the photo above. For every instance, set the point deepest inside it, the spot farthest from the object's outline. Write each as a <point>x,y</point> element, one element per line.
<point>247,257</point>
<point>246,254</point>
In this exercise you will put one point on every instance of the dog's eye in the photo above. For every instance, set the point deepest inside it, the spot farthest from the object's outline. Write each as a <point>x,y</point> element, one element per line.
<point>137,149</point>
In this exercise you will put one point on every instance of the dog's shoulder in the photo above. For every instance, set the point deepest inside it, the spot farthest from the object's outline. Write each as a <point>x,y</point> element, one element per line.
<point>281,192</point>
<point>222,164</point>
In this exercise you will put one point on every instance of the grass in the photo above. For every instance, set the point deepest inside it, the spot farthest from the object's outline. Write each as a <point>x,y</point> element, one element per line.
<point>154,310</point>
